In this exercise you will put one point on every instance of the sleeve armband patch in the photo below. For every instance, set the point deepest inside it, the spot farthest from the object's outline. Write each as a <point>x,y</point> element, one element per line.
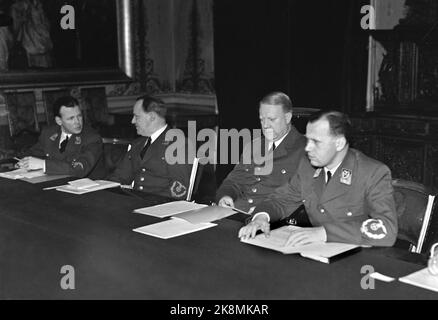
<point>77,164</point>
<point>374,229</point>
<point>178,190</point>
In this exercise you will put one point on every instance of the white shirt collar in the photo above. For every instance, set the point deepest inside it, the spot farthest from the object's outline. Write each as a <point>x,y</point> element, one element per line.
<point>63,136</point>
<point>157,133</point>
<point>332,171</point>
<point>277,142</point>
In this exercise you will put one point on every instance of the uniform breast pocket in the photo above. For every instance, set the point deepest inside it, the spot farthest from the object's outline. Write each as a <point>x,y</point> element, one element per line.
<point>349,211</point>
<point>158,166</point>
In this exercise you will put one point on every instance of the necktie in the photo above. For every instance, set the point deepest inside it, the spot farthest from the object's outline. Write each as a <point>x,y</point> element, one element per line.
<point>63,145</point>
<point>271,147</point>
<point>329,175</point>
<point>145,148</point>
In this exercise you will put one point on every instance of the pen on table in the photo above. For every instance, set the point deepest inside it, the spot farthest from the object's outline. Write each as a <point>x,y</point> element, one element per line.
<point>54,187</point>
<point>238,210</point>
<point>18,159</point>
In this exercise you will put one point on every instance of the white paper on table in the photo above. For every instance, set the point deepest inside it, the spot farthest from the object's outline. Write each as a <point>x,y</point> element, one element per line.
<point>169,208</point>
<point>172,228</point>
<point>320,251</point>
<point>206,214</point>
<point>99,185</point>
<point>422,279</point>
<point>22,173</point>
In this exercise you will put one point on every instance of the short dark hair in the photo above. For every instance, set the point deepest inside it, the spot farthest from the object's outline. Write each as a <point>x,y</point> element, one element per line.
<point>339,123</point>
<point>66,101</point>
<point>150,104</point>
<point>279,99</point>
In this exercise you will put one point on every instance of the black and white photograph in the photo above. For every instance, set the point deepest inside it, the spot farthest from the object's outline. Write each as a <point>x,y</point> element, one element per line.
<point>219,158</point>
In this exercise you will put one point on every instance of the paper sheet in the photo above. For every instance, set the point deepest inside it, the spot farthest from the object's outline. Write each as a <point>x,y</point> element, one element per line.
<point>169,209</point>
<point>206,214</point>
<point>422,279</point>
<point>172,228</point>
<point>22,173</point>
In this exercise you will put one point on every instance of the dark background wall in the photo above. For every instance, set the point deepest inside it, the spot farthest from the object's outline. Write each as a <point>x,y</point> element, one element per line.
<point>298,47</point>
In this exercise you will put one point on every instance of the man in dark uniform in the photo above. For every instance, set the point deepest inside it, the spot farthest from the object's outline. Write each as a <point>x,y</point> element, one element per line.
<point>68,147</point>
<point>348,196</point>
<point>245,187</point>
<point>145,166</point>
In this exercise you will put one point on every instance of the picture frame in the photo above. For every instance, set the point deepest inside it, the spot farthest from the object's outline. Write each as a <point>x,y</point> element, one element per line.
<point>97,51</point>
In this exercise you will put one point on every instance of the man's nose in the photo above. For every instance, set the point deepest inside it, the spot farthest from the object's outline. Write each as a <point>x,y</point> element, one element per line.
<point>308,147</point>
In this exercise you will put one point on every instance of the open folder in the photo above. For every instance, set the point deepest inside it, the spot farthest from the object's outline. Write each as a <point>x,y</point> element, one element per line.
<point>321,251</point>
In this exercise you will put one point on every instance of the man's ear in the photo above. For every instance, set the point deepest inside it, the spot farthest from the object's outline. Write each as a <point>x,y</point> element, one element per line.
<point>152,115</point>
<point>288,117</point>
<point>340,143</point>
<point>58,121</point>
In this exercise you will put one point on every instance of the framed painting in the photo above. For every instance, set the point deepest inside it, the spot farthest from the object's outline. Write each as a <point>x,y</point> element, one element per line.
<point>63,42</point>
<point>22,113</point>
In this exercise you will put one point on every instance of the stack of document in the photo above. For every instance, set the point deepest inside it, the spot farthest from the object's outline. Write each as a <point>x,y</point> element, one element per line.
<point>170,208</point>
<point>422,279</point>
<point>86,185</point>
<point>22,173</point>
<point>321,251</point>
<point>187,217</point>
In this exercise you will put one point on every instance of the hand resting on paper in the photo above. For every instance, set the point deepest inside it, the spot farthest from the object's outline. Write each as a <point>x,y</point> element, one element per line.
<point>226,201</point>
<point>259,223</point>
<point>31,163</point>
<point>304,236</point>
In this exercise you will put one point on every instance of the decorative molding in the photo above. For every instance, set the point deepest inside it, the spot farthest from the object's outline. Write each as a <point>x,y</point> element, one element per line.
<point>196,102</point>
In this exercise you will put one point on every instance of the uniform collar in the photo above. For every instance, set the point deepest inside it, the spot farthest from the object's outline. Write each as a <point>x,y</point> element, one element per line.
<point>157,133</point>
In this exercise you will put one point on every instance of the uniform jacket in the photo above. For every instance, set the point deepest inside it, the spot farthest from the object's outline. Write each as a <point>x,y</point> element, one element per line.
<point>248,188</point>
<point>356,206</point>
<point>82,153</point>
<point>153,174</point>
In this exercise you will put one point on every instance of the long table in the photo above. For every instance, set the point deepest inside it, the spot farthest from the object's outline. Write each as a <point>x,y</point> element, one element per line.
<point>42,231</point>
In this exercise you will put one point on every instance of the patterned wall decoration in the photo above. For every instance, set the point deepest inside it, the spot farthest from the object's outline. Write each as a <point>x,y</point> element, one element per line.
<point>155,32</point>
<point>405,158</point>
<point>404,58</point>
<point>197,35</point>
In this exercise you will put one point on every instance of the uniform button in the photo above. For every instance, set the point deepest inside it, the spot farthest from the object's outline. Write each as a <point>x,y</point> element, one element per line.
<point>292,221</point>
<point>141,179</point>
<point>143,169</point>
<point>254,190</point>
<point>250,201</point>
<point>258,168</point>
<point>162,158</point>
<point>349,214</point>
<point>246,169</point>
<point>304,200</point>
<point>283,171</point>
<point>140,188</point>
<point>258,179</point>
<point>322,210</point>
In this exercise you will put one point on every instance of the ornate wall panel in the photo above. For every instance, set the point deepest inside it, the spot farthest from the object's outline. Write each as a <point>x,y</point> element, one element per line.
<point>405,158</point>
